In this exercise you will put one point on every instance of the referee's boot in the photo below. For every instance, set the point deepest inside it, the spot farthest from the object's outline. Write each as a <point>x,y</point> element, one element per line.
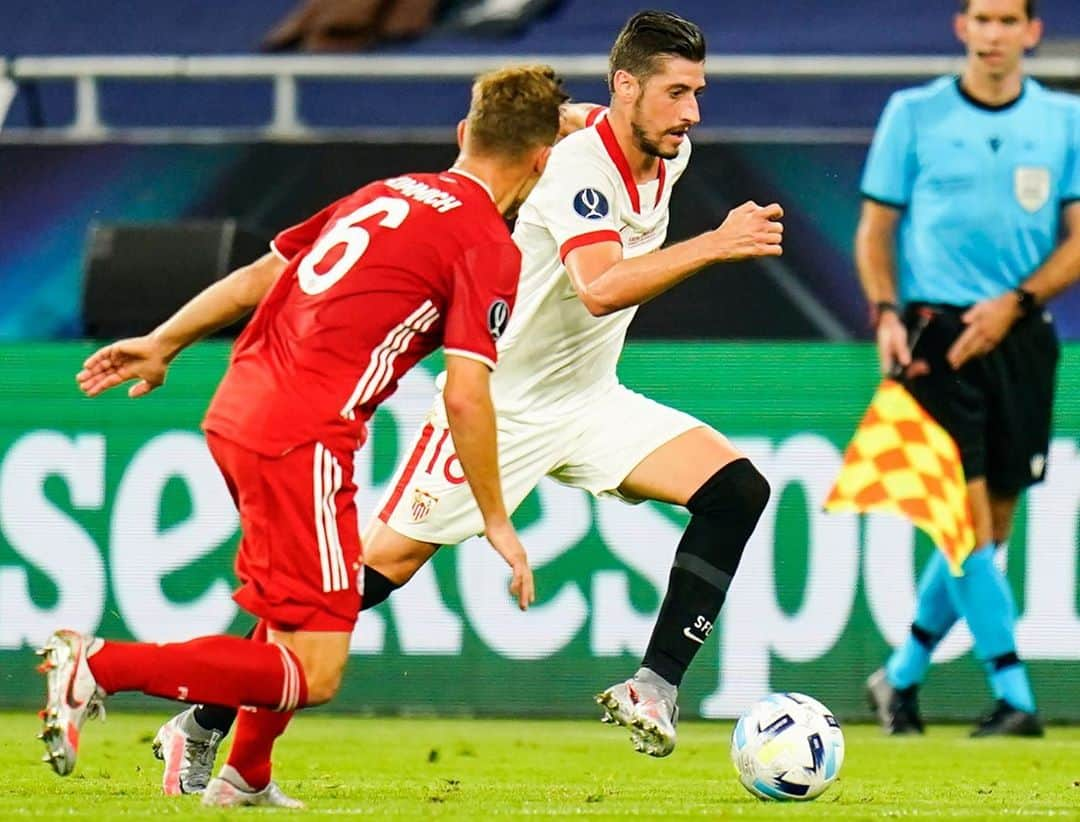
<point>897,709</point>
<point>1005,720</point>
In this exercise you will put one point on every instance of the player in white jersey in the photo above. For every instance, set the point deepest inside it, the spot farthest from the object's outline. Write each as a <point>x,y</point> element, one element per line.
<point>560,357</point>
<point>590,235</point>
<point>561,410</point>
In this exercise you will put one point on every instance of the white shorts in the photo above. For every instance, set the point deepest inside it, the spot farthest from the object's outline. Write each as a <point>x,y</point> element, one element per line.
<point>429,500</point>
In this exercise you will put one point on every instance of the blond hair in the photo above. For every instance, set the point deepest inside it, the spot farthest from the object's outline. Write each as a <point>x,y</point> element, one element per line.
<point>514,110</point>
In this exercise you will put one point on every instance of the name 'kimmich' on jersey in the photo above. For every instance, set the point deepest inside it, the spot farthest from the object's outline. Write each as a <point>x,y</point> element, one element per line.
<point>438,199</point>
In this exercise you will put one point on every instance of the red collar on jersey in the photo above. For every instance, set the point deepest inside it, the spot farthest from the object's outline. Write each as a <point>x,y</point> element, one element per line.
<point>472,178</point>
<point>607,137</point>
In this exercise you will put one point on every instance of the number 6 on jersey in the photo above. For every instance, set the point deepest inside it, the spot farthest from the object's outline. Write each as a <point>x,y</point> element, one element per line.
<point>354,237</point>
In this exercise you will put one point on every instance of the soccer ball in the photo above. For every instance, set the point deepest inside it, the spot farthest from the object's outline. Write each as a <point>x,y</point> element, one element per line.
<point>787,747</point>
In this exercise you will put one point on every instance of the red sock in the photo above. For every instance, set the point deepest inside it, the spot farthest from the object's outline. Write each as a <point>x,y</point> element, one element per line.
<point>255,734</point>
<point>220,670</point>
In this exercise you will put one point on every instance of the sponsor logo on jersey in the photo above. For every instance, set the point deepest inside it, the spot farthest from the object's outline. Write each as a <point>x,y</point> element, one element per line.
<point>498,317</point>
<point>631,238</point>
<point>591,204</point>
<point>1031,184</point>
<point>422,503</point>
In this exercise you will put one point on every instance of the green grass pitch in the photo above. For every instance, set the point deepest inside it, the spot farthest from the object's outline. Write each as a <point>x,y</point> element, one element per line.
<point>343,766</point>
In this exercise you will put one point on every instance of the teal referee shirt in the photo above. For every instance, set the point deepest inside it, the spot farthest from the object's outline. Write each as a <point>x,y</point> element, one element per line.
<point>981,187</point>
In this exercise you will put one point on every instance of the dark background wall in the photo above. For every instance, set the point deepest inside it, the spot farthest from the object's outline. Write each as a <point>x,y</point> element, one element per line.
<point>570,27</point>
<point>54,195</point>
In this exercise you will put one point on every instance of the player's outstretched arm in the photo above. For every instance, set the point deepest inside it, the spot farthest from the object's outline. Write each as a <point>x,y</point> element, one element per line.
<point>472,424</point>
<point>147,358</point>
<point>606,282</point>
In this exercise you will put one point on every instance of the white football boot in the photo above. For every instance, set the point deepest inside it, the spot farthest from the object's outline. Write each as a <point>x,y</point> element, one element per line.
<point>618,704</point>
<point>72,696</point>
<point>228,790</point>
<point>189,760</point>
<point>650,714</point>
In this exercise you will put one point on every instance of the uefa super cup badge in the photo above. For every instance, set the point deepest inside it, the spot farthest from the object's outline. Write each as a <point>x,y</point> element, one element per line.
<point>591,204</point>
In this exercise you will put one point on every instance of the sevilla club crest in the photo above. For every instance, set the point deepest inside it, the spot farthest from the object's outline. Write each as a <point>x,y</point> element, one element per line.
<point>422,503</point>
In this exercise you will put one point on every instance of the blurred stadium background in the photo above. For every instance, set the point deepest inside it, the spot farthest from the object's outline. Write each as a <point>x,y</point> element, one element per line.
<point>145,152</point>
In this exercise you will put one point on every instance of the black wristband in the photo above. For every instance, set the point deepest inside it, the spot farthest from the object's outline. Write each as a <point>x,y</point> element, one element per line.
<point>1026,301</point>
<point>880,308</point>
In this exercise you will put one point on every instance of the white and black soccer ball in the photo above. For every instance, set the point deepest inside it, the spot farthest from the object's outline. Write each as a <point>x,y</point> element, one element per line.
<point>787,747</point>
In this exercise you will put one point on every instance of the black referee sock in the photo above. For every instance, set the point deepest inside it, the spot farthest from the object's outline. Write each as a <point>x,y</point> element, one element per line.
<point>725,512</point>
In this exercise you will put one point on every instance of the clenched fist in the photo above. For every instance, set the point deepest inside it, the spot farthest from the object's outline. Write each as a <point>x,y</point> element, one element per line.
<point>749,231</point>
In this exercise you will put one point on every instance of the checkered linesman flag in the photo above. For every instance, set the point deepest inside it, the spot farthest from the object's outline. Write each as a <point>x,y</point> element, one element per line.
<point>902,462</point>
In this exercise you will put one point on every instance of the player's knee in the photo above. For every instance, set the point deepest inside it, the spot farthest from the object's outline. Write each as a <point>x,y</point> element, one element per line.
<point>725,513</point>
<point>323,666</point>
<point>322,686</point>
<point>737,490</point>
<point>396,557</point>
<point>754,490</point>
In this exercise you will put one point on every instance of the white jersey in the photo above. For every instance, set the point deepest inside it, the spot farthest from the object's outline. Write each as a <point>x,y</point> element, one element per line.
<point>555,356</point>
<point>561,412</point>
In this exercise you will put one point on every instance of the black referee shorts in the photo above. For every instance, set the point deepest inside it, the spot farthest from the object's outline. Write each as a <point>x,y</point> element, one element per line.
<point>997,407</point>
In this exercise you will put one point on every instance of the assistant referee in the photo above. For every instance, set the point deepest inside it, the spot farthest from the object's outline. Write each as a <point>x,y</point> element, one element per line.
<point>970,223</point>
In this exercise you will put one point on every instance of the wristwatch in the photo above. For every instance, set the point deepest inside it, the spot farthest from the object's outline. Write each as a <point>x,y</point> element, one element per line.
<point>881,307</point>
<point>1026,301</point>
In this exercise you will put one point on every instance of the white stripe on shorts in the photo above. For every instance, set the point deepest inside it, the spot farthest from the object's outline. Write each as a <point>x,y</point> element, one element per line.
<point>320,508</point>
<point>332,477</point>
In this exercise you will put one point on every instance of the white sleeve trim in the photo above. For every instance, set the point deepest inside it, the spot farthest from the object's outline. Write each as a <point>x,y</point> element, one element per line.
<point>470,355</point>
<point>277,252</point>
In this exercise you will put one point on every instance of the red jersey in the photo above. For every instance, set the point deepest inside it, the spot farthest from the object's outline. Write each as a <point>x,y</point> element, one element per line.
<point>375,282</point>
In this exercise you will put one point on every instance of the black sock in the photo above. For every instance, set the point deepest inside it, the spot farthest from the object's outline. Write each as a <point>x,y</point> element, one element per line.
<point>377,588</point>
<point>1007,660</point>
<point>924,637</point>
<point>725,512</point>
<point>218,718</point>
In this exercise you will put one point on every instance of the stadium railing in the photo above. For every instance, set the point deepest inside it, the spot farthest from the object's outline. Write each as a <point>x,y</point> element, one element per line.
<point>285,72</point>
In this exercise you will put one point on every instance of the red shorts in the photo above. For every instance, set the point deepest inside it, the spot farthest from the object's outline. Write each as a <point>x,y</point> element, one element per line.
<point>299,553</point>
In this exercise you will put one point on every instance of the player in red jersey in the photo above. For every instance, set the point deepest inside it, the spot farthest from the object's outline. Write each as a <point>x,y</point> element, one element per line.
<point>361,291</point>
